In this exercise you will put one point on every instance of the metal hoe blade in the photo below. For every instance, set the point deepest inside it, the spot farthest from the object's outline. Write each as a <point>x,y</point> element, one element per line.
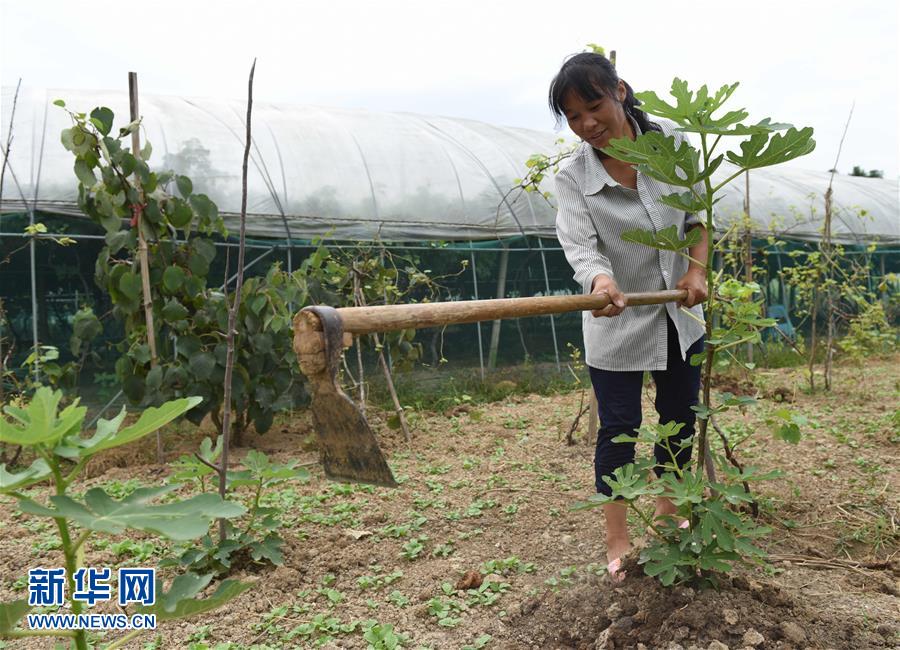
<point>349,449</point>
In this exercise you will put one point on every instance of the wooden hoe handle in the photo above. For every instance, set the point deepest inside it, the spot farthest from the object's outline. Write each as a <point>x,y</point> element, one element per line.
<point>388,318</point>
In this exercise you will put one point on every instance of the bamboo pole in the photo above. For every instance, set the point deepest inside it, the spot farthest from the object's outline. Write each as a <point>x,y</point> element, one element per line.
<point>829,293</point>
<point>552,320</point>
<point>748,250</point>
<point>501,291</point>
<point>138,212</point>
<point>477,325</point>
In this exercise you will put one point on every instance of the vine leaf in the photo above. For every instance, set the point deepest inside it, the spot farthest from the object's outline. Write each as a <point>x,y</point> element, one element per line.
<point>102,118</point>
<point>185,186</point>
<point>788,425</point>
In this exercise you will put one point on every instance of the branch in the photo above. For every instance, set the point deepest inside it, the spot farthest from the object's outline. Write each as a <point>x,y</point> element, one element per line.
<point>232,312</point>
<point>841,145</point>
<point>9,136</point>
<point>729,454</point>
<point>215,468</point>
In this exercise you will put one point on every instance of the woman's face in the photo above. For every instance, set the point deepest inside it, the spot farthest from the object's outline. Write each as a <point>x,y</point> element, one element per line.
<point>598,121</point>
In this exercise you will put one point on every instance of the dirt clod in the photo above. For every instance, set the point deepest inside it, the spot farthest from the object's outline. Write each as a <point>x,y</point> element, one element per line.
<point>885,630</point>
<point>730,616</point>
<point>753,638</point>
<point>603,641</point>
<point>470,580</point>
<point>681,633</point>
<point>793,632</point>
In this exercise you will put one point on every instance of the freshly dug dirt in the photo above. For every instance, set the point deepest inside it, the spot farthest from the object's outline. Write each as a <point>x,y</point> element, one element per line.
<point>742,612</point>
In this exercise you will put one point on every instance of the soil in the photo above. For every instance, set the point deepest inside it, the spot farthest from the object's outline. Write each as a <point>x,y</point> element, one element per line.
<point>495,482</point>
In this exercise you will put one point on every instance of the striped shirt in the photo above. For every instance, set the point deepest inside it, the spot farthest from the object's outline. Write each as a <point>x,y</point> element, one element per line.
<point>594,211</point>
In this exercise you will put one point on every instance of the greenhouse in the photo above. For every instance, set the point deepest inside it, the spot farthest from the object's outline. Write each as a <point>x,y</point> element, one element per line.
<point>441,188</point>
<point>257,371</point>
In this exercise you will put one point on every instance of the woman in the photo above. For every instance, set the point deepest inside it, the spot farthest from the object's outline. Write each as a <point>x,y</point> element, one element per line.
<point>599,199</point>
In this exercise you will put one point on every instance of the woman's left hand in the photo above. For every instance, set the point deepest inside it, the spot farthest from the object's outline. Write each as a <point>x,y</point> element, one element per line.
<point>694,281</point>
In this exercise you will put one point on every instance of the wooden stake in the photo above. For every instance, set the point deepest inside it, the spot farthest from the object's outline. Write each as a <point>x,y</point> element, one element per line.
<point>137,213</point>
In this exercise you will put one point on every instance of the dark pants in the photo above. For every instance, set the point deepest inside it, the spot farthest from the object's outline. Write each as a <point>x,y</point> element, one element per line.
<point>619,402</point>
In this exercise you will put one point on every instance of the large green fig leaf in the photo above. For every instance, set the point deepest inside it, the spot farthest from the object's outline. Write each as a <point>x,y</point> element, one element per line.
<point>666,239</point>
<point>761,151</point>
<point>181,520</point>
<point>39,422</point>
<point>35,473</point>
<point>667,562</point>
<point>11,613</point>
<point>657,156</point>
<point>108,436</point>
<point>180,601</point>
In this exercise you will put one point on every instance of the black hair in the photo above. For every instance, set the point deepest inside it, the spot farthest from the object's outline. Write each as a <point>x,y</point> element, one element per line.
<point>592,76</point>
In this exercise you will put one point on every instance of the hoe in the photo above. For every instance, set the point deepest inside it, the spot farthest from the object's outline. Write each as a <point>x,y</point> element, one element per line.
<point>348,447</point>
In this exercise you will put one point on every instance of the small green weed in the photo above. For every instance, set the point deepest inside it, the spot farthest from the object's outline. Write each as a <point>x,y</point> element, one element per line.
<point>378,580</point>
<point>442,550</point>
<point>507,566</point>
<point>397,598</point>
<point>479,643</point>
<point>414,547</point>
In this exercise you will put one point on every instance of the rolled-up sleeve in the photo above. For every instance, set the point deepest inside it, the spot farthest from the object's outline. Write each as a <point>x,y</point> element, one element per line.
<point>577,235</point>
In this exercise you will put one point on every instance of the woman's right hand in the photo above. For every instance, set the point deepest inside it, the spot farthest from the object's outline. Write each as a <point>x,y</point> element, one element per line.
<point>605,285</point>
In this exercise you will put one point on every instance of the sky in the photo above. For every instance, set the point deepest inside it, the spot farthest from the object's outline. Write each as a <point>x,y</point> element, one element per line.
<point>802,62</point>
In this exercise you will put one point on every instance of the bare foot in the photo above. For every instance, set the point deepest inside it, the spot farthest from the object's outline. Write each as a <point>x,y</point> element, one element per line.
<point>616,573</point>
<point>616,549</point>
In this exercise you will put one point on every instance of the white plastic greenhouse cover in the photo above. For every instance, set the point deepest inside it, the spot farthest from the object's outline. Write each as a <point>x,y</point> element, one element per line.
<point>358,175</point>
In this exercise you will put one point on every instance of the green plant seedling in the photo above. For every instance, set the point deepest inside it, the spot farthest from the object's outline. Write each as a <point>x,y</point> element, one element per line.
<point>61,452</point>
<point>257,537</point>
